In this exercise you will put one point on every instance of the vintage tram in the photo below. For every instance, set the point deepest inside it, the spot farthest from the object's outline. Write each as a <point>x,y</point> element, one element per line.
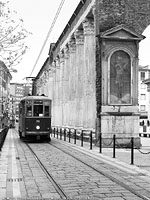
<point>35,117</point>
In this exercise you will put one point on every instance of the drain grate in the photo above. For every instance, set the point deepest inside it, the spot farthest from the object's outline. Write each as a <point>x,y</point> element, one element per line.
<point>143,165</point>
<point>15,179</point>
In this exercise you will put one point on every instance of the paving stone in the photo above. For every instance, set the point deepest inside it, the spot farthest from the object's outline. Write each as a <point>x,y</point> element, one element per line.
<point>2,193</point>
<point>75,178</point>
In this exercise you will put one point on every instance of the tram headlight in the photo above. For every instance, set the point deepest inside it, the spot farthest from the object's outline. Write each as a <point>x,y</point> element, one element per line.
<point>37,127</point>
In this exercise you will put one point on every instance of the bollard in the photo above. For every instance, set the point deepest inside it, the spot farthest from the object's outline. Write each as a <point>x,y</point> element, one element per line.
<point>82,138</point>
<point>75,138</point>
<point>0,140</point>
<point>91,140</point>
<point>57,133</point>
<point>69,135</point>
<point>132,151</point>
<point>114,145</point>
<point>51,132</point>
<point>54,132</point>
<point>100,143</point>
<point>64,134</point>
<point>60,133</point>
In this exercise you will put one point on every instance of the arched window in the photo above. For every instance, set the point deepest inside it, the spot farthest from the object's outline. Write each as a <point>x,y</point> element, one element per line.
<point>120,78</point>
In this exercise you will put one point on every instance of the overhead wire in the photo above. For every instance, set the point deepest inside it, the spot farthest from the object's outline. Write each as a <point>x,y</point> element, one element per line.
<point>48,34</point>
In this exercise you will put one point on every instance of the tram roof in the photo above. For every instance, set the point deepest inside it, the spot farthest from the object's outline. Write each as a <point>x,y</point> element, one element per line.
<point>35,97</point>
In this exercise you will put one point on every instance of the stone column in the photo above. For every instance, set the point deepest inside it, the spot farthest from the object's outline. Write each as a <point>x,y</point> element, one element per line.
<point>38,87</point>
<point>66,86</point>
<point>46,83</point>
<point>79,76</point>
<point>61,87</point>
<point>72,64</point>
<point>57,114</point>
<point>90,74</point>
<point>43,83</point>
<point>50,82</point>
<point>54,99</point>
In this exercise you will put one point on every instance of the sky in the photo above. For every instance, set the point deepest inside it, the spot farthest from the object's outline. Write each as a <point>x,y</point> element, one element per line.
<point>144,48</point>
<point>38,16</point>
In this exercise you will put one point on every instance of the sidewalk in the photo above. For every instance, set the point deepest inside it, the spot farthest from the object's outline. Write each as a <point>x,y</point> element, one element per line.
<point>9,168</point>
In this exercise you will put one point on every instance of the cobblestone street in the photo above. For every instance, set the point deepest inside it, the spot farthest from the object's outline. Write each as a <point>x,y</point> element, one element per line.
<point>22,176</point>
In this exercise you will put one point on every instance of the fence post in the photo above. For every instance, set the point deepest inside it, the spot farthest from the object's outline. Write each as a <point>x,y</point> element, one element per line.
<point>132,151</point>
<point>0,140</point>
<point>54,132</point>
<point>60,133</point>
<point>57,132</point>
<point>82,138</point>
<point>114,145</point>
<point>100,143</point>
<point>75,136</point>
<point>91,140</point>
<point>69,135</point>
<point>64,134</point>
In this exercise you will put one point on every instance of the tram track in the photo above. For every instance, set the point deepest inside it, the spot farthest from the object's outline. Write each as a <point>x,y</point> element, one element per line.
<point>127,187</point>
<point>57,187</point>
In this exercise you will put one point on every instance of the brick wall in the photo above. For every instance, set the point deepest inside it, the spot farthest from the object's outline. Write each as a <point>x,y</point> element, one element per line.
<point>134,13</point>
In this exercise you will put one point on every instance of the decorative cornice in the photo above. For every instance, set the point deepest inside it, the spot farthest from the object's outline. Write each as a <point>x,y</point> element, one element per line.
<point>61,56</point>
<point>57,62</point>
<point>88,26</point>
<point>66,52</point>
<point>72,45</point>
<point>79,37</point>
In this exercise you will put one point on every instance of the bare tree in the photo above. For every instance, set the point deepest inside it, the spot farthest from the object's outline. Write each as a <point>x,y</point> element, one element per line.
<point>12,36</point>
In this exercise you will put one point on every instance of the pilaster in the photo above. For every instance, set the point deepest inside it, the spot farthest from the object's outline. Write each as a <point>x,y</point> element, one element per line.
<point>61,87</point>
<point>79,37</point>
<point>72,68</point>
<point>66,84</point>
<point>90,73</point>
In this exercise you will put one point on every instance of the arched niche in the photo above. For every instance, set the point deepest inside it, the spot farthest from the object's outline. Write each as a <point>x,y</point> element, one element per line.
<point>120,70</point>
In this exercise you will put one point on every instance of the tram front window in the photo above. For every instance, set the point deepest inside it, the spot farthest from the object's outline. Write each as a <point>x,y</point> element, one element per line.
<point>38,111</point>
<point>29,111</point>
<point>46,113</point>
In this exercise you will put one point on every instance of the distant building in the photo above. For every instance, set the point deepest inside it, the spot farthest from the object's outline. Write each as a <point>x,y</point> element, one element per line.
<point>18,91</point>
<point>144,98</point>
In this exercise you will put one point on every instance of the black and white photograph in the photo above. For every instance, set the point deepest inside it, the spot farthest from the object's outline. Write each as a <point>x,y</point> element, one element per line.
<point>75,99</point>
